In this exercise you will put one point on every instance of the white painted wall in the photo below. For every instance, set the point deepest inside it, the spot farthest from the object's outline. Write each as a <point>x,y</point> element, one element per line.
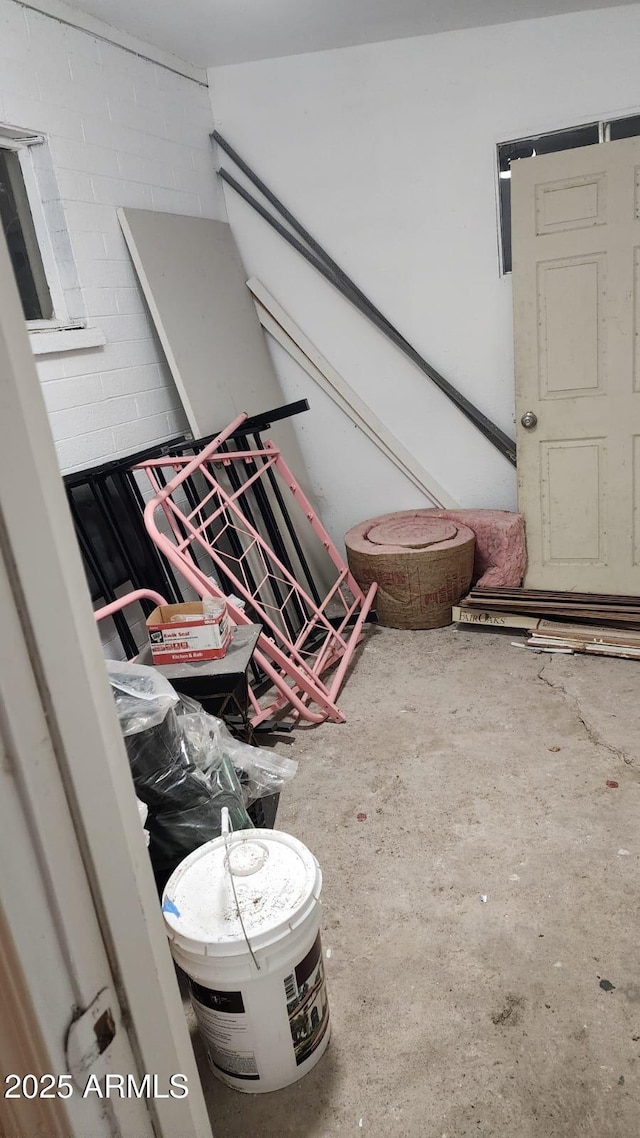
<point>122,132</point>
<point>387,153</point>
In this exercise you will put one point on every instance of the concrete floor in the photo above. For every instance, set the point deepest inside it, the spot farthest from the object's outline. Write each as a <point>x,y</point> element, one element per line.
<point>481,770</point>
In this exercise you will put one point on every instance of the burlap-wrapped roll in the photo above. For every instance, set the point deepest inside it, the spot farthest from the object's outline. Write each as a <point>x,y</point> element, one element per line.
<point>422,564</point>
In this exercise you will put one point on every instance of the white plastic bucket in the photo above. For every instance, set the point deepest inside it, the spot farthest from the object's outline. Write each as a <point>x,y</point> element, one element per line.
<point>260,1000</point>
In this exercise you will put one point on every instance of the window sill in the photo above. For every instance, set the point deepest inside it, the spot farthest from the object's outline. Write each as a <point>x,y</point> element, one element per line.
<point>49,341</point>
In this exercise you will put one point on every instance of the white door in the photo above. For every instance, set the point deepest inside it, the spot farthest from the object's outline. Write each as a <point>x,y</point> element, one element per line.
<point>80,921</point>
<point>576,284</point>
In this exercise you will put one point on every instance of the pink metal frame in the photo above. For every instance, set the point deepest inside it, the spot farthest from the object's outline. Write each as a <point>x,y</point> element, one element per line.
<point>128,599</point>
<point>293,665</point>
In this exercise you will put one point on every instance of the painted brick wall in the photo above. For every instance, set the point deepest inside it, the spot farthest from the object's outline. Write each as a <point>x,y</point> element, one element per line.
<point>122,131</point>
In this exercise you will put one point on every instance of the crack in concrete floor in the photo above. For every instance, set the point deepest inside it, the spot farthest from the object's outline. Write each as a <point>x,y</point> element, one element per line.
<point>592,733</point>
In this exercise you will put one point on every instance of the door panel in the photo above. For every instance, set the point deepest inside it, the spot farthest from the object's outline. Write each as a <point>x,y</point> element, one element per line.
<point>576,284</point>
<point>570,309</point>
<point>579,464</point>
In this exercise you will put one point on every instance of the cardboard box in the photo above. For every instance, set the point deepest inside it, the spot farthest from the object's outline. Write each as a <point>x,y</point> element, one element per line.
<point>197,630</point>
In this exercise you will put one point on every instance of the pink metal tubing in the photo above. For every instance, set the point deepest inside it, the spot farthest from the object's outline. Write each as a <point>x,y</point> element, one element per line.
<point>227,499</point>
<point>197,460</point>
<point>223,459</point>
<point>242,589</point>
<point>289,695</point>
<point>128,599</point>
<point>231,501</point>
<point>329,658</point>
<point>316,524</point>
<point>273,457</point>
<point>205,587</point>
<point>155,485</point>
<point>294,675</point>
<point>355,636</point>
<point>320,610</point>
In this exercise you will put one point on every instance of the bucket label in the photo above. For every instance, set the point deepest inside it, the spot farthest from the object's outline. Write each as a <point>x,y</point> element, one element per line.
<point>225,1028</point>
<point>307,1004</point>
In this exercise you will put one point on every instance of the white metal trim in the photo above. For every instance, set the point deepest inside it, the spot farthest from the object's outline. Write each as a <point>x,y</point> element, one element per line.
<point>280,325</point>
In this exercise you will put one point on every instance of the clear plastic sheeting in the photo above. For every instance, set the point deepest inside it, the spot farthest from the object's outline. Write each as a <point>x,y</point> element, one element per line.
<point>260,772</point>
<point>184,804</point>
<point>142,695</point>
<point>186,766</point>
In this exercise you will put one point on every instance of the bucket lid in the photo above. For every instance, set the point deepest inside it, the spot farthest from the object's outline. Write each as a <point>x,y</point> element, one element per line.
<point>277,881</point>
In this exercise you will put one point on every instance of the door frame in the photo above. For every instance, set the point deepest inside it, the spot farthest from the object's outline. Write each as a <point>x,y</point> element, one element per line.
<point>54,632</point>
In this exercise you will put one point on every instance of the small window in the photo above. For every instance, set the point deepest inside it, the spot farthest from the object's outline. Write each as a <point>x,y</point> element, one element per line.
<point>509,152</point>
<point>607,130</point>
<point>17,224</point>
<point>623,128</point>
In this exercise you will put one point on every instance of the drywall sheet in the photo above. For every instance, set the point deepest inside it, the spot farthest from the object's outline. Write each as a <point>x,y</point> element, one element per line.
<point>194,283</point>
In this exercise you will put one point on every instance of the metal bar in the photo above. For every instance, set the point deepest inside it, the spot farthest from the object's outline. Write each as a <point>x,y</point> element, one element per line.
<point>264,421</point>
<point>339,675</point>
<point>103,498</point>
<point>234,541</point>
<point>196,462</point>
<point>313,519</point>
<point>166,568</point>
<point>295,674</point>
<point>258,541</point>
<point>145,560</point>
<point>263,452</point>
<point>128,599</point>
<point>129,646</point>
<point>81,476</point>
<point>291,530</point>
<point>335,276</point>
<point>277,544</point>
<point>285,332</point>
<point>177,461</point>
<point>91,561</point>
<point>160,482</point>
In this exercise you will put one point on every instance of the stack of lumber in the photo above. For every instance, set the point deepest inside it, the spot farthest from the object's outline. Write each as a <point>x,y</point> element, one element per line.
<point>536,604</point>
<point>551,635</point>
<point>593,623</point>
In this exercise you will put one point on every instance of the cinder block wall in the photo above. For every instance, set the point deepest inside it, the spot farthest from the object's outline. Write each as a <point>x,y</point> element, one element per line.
<point>122,131</point>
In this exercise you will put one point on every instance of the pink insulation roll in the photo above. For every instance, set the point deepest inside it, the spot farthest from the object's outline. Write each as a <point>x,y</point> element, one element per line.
<point>501,550</point>
<point>422,563</point>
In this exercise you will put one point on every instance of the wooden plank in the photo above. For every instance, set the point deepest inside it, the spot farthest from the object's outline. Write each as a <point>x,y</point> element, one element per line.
<point>285,331</point>
<point>493,619</point>
<point>552,595</point>
<point>552,630</point>
<point>544,608</point>
<point>620,650</point>
<point>612,650</point>
<point>580,613</point>
<point>541,607</point>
